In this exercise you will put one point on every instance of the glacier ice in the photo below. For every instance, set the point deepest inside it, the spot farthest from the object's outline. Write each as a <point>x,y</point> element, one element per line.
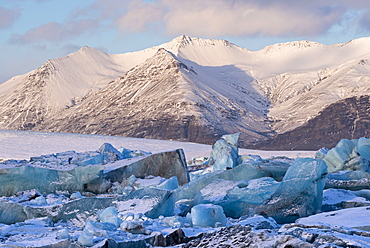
<point>53,180</point>
<point>62,234</point>
<point>237,198</point>
<point>300,192</point>
<point>109,215</point>
<point>169,184</point>
<point>141,208</point>
<point>208,215</point>
<point>363,147</point>
<point>109,153</point>
<point>345,156</point>
<point>152,202</point>
<point>165,164</point>
<point>99,228</point>
<point>224,153</point>
<point>86,238</point>
<point>243,171</point>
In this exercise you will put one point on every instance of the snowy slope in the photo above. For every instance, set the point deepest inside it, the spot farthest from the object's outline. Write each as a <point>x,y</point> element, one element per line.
<point>165,98</point>
<point>276,89</point>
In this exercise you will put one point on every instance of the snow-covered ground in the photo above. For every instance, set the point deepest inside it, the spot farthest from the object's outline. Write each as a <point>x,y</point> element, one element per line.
<point>25,144</point>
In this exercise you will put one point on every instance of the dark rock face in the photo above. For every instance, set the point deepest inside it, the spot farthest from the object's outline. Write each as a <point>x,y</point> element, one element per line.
<point>346,119</point>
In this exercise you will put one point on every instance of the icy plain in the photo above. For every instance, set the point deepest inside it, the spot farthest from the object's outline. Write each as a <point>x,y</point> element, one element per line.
<point>127,217</point>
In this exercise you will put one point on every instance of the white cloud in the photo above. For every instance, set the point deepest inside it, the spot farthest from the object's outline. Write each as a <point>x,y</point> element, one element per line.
<point>214,18</point>
<point>140,16</point>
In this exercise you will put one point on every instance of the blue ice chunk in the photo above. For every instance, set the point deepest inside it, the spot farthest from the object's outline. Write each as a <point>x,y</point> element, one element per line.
<point>127,153</point>
<point>231,139</point>
<point>39,201</point>
<point>52,180</point>
<point>300,192</point>
<point>99,228</point>
<point>152,202</point>
<point>90,160</point>
<point>344,156</point>
<point>245,171</point>
<point>109,215</point>
<point>348,175</point>
<point>169,184</point>
<point>62,234</point>
<point>237,198</point>
<point>208,215</point>
<point>76,195</point>
<point>85,238</point>
<point>110,154</point>
<point>241,199</point>
<point>224,153</point>
<point>363,147</point>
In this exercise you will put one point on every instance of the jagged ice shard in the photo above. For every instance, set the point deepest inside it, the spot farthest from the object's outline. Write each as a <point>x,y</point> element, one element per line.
<point>224,153</point>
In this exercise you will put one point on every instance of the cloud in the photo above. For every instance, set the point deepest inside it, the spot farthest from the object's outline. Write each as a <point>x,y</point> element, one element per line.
<point>214,18</point>
<point>8,17</point>
<point>56,32</point>
<point>207,18</point>
<point>140,16</point>
<point>243,18</point>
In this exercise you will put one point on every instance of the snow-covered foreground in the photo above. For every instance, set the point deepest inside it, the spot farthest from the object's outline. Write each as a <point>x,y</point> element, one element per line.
<point>25,144</point>
<point>223,208</point>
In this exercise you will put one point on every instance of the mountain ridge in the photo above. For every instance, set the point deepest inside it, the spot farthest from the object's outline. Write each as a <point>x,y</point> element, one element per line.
<point>219,87</point>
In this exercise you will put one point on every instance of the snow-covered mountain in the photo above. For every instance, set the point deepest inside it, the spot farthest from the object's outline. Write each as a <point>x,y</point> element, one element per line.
<point>188,89</point>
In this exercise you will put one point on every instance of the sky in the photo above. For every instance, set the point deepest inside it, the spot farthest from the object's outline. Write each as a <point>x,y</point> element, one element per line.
<point>33,31</point>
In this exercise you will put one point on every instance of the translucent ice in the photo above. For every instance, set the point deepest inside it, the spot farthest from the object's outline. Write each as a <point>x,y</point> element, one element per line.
<point>300,192</point>
<point>99,228</point>
<point>76,195</point>
<point>110,154</point>
<point>208,215</point>
<point>344,156</point>
<point>241,199</point>
<point>85,238</point>
<point>169,184</point>
<point>225,152</point>
<point>152,202</point>
<point>245,171</point>
<point>52,180</point>
<point>363,147</point>
<point>63,234</point>
<point>109,215</point>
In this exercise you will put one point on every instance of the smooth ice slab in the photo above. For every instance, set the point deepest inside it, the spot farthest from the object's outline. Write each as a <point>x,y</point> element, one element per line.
<point>27,178</point>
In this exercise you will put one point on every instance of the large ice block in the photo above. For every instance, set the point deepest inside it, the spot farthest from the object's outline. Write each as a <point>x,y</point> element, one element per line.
<point>109,153</point>
<point>22,178</point>
<point>208,215</point>
<point>245,171</point>
<point>345,156</point>
<point>152,202</point>
<point>165,164</point>
<point>224,153</point>
<point>363,147</point>
<point>300,192</point>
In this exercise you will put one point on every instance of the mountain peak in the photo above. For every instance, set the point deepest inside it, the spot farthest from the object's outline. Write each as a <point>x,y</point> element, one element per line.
<point>300,44</point>
<point>184,41</point>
